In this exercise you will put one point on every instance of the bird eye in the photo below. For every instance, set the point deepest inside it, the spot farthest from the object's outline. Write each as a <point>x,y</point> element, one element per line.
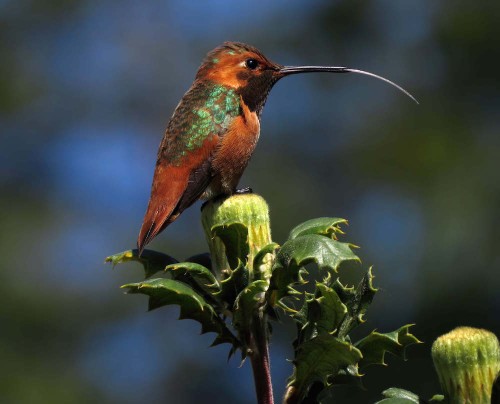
<point>251,64</point>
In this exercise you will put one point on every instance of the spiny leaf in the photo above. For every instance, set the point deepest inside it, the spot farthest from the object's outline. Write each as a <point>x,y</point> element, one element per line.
<point>233,285</point>
<point>235,238</point>
<point>288,269</point>
<point>320,358</point>
<point>202,259</point>
<point>323,226</point>
<point>348,376</point>
<point>321,313</point>
<point>357,302</point>
<point>330,309</point>
<point>261,262</point>
<point>398,396</point>
<point>346,293</point>
<point>375,345</point>
<point>152,261</point>
<point>164,292</point>
<point>246,304</point>
<point>196,275</point>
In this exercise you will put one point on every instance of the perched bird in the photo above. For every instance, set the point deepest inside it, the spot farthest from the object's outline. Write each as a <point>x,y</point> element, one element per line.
<point>213,131</point>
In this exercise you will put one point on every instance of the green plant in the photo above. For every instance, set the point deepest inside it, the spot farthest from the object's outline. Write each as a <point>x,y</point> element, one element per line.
<point>248,280</point>
<point>467,361</point>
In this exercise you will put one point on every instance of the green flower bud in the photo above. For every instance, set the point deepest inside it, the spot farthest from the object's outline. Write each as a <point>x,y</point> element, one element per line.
<point>252,212</point>
<point>467,361</point>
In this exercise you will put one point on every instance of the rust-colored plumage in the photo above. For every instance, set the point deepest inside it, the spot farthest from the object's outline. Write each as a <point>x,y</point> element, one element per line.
<point>213,131</point>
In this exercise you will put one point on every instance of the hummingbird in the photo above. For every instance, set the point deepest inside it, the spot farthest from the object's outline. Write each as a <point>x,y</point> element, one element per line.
<point>214,130</point>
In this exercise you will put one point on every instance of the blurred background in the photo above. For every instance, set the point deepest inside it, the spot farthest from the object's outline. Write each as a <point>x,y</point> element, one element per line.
<point>86,91</point>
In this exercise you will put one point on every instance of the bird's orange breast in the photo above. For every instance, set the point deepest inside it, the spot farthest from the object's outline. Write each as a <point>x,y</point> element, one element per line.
<point>236,148</point>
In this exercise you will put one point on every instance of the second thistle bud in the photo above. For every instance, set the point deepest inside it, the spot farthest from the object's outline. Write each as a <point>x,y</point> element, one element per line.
<point>467,361</point>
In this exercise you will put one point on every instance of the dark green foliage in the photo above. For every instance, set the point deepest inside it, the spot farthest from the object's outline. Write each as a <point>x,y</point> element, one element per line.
<point>321,313</point>
<point>163,292</point>
<point>247,303</point>
<point>374,346</point>
<point>324,354</point>
<point>260,258</point>
<point>319,358</point>
<point>235,239</point>
<point>246,290</point>
<point>401,396</point>
<point>233,284</point>
<point>357,300</point>
<point>324,226</point>
<point>202,259</point>
<point>198,276</point>
<point>291,258</point>
<point>152,261</point>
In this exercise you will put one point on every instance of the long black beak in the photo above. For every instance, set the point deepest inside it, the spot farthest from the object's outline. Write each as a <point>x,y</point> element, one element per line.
<point>287,70</point>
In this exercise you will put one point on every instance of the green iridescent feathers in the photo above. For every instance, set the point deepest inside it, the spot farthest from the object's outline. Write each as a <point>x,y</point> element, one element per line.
<point>207,109</point>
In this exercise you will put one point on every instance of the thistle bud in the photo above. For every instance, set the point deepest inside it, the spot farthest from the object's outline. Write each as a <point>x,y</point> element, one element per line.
<point>249,210</point>
<point>467,361</point>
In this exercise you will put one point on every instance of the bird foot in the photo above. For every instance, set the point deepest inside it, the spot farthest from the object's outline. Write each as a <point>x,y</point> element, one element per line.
<point>246,190</point>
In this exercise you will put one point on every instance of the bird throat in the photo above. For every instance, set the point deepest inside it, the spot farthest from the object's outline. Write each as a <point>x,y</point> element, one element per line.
<point>256,90</point>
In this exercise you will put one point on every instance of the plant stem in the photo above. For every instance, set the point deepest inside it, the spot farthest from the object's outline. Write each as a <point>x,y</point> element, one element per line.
<point>259,357</point>
<point>251,211</point>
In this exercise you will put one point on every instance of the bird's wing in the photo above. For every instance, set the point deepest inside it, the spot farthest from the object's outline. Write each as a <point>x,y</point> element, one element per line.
<point>183,169</point>
<point>174,189</point>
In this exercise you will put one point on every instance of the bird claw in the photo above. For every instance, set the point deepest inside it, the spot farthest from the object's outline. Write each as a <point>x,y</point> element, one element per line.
<point>246,190</point>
